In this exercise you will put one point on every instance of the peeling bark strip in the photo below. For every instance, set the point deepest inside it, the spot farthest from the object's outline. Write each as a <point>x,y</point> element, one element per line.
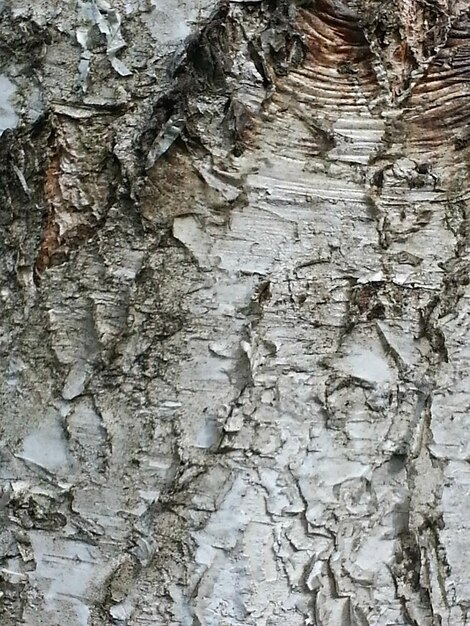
<point>235,320</point>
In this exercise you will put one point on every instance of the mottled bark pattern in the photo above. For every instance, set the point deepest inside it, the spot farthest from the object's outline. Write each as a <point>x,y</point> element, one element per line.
<point>235,329</point>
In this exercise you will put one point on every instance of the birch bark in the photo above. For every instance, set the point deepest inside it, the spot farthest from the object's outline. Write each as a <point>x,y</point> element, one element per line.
<point>235,318</point>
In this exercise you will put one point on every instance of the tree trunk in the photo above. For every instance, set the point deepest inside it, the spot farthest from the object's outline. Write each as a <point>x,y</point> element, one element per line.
<point>235,320</point>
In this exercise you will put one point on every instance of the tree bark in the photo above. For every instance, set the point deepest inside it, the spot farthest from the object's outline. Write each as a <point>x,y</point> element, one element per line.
<point>235,319</point>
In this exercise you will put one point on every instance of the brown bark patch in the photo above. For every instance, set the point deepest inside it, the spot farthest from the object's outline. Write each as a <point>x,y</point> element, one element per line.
<point>50,240</point>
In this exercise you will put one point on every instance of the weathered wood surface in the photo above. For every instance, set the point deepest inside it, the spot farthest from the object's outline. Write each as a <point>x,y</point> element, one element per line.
<point>235,318</point>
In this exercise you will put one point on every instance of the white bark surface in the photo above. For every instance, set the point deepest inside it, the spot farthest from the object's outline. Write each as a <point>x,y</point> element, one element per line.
<point>235,318</point>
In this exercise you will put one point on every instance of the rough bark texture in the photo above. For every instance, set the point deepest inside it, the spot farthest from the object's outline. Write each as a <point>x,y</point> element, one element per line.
<point>235,313</point>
